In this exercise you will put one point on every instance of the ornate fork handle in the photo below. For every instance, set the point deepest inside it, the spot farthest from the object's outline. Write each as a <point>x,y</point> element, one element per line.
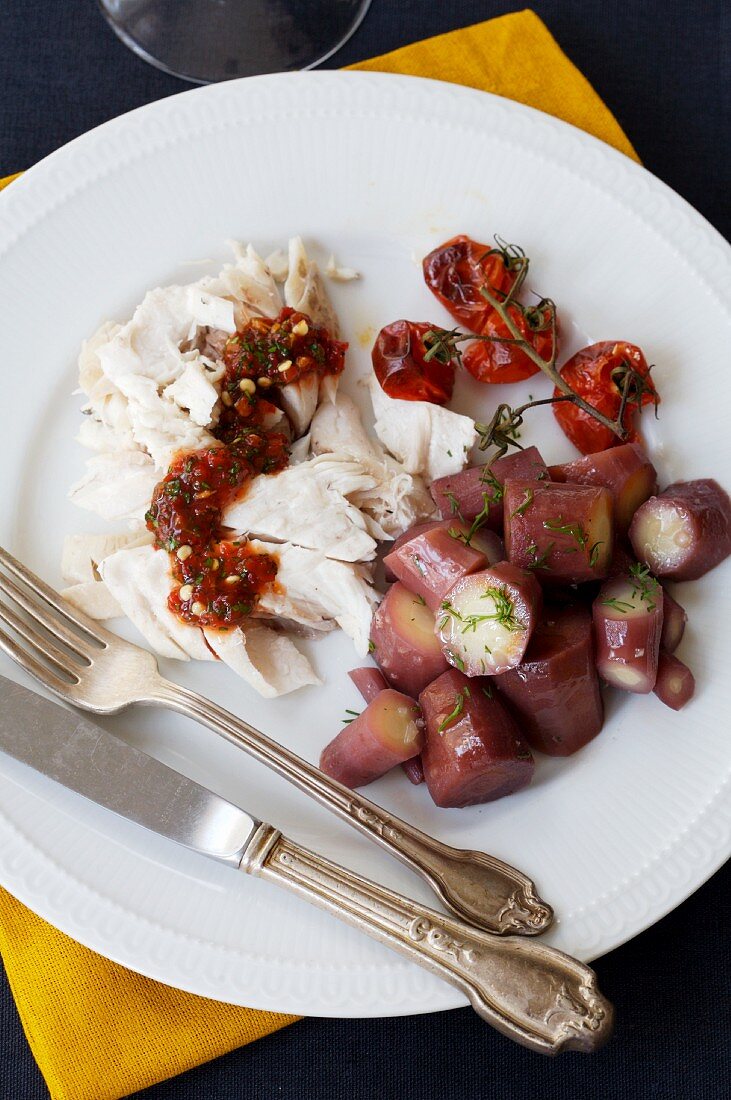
<point>536,995</point>
<point>480,888</point>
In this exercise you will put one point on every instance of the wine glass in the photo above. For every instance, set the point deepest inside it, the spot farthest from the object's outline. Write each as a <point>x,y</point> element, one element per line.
<point>209,40</point>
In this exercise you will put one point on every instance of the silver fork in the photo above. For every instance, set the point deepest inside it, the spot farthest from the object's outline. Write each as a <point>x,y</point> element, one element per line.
<point>92,668</point>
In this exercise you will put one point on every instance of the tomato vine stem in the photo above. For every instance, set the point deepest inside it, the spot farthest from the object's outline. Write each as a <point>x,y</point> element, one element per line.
<point>548,366</point>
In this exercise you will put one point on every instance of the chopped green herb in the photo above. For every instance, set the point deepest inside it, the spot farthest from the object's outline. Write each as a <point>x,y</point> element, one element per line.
<point>488,478</point>
<point>454,659</point>
<point>420,600</point>
<point>371,646</point>
<point>619,605</point>
<point>502,614</point>
<point>504,608</point>
<point>479,521</point>
<point>594,554</point>
<point>454,508</point>
<point>450,453</point>
<point>353,713</point>
<point>643,583</point>
<point>242,608</point>
<point>527,501</point>
<point>458,708</point>
<point>487,690</point>
<point>574,530</point>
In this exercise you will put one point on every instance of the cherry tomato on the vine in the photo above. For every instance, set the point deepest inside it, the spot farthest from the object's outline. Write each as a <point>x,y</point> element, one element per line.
<point>598,374</point>
<point>490,361</point>
<point>456,270</point>
<point>401,366</point>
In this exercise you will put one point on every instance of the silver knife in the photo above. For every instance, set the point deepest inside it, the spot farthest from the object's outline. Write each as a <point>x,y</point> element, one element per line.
<point>536,995</point>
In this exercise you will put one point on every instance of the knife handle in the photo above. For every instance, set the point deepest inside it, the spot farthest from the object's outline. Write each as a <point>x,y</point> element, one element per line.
<point>477,887</point>
<point>534,994</point>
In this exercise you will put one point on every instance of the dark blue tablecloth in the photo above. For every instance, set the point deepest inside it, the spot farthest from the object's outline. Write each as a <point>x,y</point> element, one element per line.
<point>663,67</point>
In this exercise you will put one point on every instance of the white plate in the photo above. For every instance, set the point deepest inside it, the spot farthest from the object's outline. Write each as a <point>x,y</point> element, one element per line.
<point>377,169</point>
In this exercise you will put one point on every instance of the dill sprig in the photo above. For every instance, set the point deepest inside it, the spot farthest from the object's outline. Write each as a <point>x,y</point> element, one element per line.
<point>618,605</point>
<point>454,508</point>
<point>504,613</point>
<point>458,708</point>
<point>643,584</point>
<point>479,521</point>
<point>527,501</point>
<point>573,530</point>
<point>497,491</point>
<point>539,560</point>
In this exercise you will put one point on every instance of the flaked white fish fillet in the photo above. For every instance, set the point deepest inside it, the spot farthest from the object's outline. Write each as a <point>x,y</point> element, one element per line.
<point>269,661</point>
<point>82,553</point>
<point>305,290</point>
<point>338,273</point>
<point>195,390</point>
<point>116,485</point>
<point>308,505</point>
<point>94,599</point>
<point>140,580</point>
<point>299,401</point>
<point>168,387</point>
<point>427,439</point>
<point>317,588</point>
<point>397,499</point>
<point>249,281</point>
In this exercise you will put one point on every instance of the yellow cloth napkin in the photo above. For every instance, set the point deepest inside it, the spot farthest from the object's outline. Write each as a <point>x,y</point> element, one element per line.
<point>97,1030</point>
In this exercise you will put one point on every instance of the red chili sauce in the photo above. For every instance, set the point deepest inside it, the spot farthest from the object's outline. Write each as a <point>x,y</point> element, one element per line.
<point>218,581</point>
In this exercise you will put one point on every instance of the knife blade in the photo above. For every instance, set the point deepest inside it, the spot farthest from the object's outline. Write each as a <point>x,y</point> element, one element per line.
<point>103,768</point>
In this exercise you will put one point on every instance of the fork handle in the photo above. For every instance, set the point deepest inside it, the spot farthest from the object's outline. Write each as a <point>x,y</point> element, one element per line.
<point>478,887</point>
<point>531,992</point>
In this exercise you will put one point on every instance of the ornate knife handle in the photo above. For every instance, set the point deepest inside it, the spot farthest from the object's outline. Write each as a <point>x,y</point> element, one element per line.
<point>532,993</point>
<point>477,887</point>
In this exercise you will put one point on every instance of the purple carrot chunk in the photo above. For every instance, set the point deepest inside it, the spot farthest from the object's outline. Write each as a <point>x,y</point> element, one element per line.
<point>431,562</point>
<point>674,618</point>
<point>389,731</point>
<point>625,471</point>
<point>685,531</point>
<point>564,533</point>
<point>479,490</point>
<point>369,681</point>
<point>487,618</point>
<point>555,690</point>
<point>473,751</point>
<point>628,615</point>
<point>405,646</point>
<point>675,684</point>
<point>414,770</point>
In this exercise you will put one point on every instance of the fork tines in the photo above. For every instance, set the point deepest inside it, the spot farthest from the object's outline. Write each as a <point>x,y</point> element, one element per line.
<point>47,620</point>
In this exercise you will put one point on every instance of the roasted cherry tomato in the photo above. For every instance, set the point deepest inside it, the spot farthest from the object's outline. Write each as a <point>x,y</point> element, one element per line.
<point>456,270</point>
<point>488,361</point>
<point>403,371</point>
<point>598,374</point>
